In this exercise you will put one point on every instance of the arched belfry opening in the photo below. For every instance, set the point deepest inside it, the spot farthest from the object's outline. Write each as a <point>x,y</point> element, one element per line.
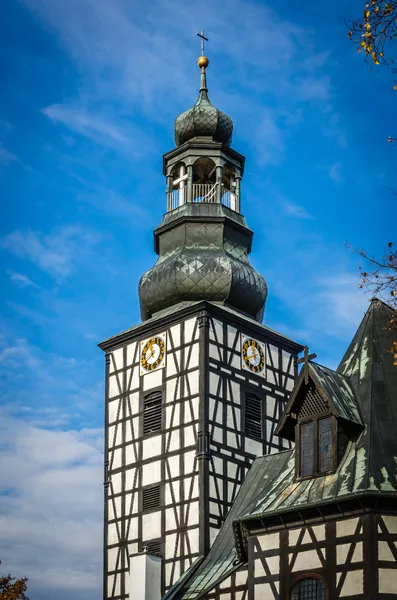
<point>230,186</point>
<point>204,180</point>
<point>178,183</point>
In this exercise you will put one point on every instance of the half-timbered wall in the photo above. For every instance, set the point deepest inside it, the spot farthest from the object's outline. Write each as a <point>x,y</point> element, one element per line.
<point>234,587</point>
<point>194,466</point>
<point>348,555</point>
<point>232,450</point>
<point>166,458</point>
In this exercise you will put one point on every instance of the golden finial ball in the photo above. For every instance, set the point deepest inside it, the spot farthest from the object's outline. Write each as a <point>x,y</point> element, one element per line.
<point>203,62</point>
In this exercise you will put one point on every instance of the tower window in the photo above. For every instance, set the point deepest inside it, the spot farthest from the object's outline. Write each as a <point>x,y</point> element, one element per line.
<point>152,412</point>
<point>152,547</point>
<point>253,416</point>
<point>309,589</point>
<point>316,446</point>
<point>151,498</point>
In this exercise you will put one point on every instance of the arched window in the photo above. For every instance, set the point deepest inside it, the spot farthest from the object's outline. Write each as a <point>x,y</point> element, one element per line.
<point>179,179</point>
<point>204,180</point>
<point>310,588</point>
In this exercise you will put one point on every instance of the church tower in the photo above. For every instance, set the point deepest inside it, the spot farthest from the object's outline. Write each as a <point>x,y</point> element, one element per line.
<point>195,391</point>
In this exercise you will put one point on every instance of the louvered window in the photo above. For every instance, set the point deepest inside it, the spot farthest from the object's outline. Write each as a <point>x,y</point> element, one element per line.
<point>317,446</point>
<point>307,448</point>
<point>151,498</point>
<point>253,416</point>
<point>325,444</point>
<point>152,412</point>
<point>152,547</point>
<point>309,589</point>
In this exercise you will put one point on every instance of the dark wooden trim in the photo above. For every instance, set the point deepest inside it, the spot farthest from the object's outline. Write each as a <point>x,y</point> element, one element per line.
<point>106,480</point>
<point>203,458</point>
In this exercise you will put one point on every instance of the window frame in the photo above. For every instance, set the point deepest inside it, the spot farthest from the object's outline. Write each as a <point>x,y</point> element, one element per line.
<point>261,397</point>
<point>308,576</point>
<point>315,419</point>
<point>144,394</point>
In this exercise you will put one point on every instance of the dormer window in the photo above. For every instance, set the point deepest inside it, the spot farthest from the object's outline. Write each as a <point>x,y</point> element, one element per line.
<point>315,445</point>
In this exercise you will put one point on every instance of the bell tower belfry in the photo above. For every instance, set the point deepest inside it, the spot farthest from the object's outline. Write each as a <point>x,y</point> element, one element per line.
<point>194,392</point>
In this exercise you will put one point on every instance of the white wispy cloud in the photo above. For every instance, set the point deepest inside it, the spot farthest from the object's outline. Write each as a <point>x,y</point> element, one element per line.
<point>55,253</point>
<point>51,509</point>
<point>296,210</point>
<point>335,173</point>
<point>21,279</point>
<point>5,156</point>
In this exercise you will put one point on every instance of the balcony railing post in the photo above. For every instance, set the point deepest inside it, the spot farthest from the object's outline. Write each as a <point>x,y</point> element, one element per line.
<point>238,194</point>
<point>218,183</point>
<point>189,183</point>
<point>169,192</point>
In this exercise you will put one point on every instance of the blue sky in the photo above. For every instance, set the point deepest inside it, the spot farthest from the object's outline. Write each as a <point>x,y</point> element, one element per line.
<point>88,95</point>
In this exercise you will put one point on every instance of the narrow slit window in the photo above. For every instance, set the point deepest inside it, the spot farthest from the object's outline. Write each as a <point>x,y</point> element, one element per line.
<point>325,461</point>
<point>253,416</point>
<point>152,412</point>
<point>307,449</point>
<point>151,498</point>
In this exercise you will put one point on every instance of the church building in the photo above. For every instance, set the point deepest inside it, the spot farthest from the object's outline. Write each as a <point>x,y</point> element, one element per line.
<point>229,475</point>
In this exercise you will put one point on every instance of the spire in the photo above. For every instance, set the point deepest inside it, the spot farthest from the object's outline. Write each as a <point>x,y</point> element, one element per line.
<point>203,63</point>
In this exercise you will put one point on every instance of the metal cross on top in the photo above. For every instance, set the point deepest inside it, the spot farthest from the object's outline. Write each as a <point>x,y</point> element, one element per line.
<point>202,36</point>
<point>305,360</point>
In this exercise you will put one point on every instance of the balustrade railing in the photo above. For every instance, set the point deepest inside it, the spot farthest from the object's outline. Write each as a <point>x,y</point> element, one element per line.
<point>204,192</point>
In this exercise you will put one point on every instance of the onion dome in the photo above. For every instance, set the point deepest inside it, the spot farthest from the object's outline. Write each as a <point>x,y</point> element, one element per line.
<point>203,119</point>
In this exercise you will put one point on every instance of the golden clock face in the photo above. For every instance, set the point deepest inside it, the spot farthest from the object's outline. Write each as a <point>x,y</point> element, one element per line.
<point>152,354</point>
<point>253,355</point>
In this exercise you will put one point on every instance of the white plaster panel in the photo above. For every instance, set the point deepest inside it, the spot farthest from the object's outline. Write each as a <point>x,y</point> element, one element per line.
<point>262,591</point>
<point>116,483</point>
<point>172,570</point>
<point>115,384</point>
<point>173,463</point>
<point>173,441</point>
<point>193,517</point>
<point>270,378</point>
<point>117,587</point>
<point>293,535</point>
<point>173,363</point>
<point>286,357</point>
<point>151,525</point>
<point>384,553</point>
<point>170,522</point>
<point>269,541</point>
<point>214,383</point>
<point>132,429</point>
<point>133,528</point>
<point>116,459</point>
<point>133,402</point>
<point>319,532</point>
<point>235,361</point>
<point>232,414</point>
<point>112,558</point>
<point>171,392</point>
<point>189,330</point>
<point>131,349</point>
<point>217,435</point>
<point>154,379</point>
<point>388,581</point>
<point>193,379</point>
<point>113,537</point>
<point>241,577</point>
<point>213,534</point>
<point>192,356</point>
<point>189,462</point>
<point>253,447</point>
<point>189,435</point>
<point>131,502</point>
<point>133,548</point>
<point>343,549</point>
<point>113,407</point>
<point>391,523</point>
<point>151,473</point>
<point>226,583</point>
<point>212,488</point>
<point>172,494</point>
<point>130,478</point>
<point>170,545</point>
<point>235,390</point>
<point>175,332</point>
<point>270,405</point>
<point>307,560</point>
<point>253,382</point>
<point>233,439</point>
<point>130,456</point>
<point>353,584</point>
<point>231,335</point>
<point>193,535</point>
<point>117,360</point>
<point>191,487</point>
<point>151,447</point>
<point>172,415</point>
<point>346,527</point>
